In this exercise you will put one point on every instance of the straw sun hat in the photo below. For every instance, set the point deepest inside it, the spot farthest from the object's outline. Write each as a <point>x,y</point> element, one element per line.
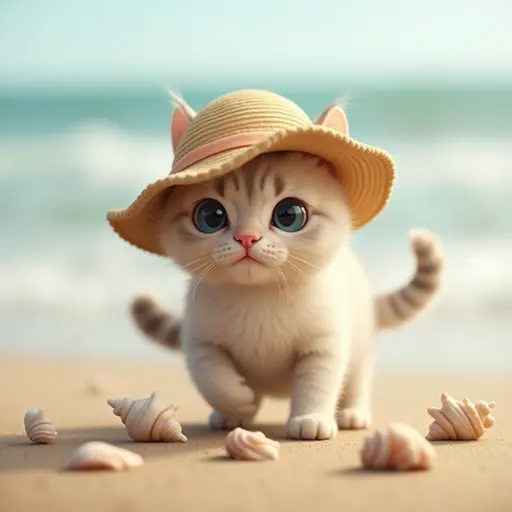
<point>241,125</point>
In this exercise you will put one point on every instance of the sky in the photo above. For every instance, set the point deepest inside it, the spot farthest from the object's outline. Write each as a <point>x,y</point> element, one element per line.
<point>77,41</point>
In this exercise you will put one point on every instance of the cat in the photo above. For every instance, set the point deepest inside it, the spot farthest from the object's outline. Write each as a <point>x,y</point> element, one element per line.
<point>278,304</point>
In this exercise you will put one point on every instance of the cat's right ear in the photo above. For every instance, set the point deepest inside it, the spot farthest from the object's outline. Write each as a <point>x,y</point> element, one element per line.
<point>181,118</point>
<point>179,125</point>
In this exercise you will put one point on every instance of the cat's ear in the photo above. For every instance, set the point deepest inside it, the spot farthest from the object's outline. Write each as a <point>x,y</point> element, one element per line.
<point>179,125</point>
<point>334,117</point>
<point>181,118</point>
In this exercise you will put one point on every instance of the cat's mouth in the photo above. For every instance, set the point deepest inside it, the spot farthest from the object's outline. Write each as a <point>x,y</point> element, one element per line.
<point>247,259</point>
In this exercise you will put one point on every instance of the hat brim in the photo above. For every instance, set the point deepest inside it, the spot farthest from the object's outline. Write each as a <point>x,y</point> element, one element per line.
<point>366,173</point>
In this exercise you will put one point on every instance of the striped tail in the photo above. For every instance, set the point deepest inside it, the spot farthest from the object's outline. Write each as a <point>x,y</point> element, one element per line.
<point>400,307</point>
<point>157,324</point>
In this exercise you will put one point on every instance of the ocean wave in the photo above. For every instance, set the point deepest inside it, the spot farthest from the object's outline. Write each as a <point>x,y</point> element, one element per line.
<point>475,162</point>
<point>97,151</point>
<point>91,275</point>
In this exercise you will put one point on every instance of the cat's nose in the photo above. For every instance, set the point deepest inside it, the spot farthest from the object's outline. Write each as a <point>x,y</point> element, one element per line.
<point>247,240</point>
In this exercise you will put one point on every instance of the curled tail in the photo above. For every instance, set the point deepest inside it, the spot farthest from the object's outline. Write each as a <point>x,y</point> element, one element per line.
<point>403,305</point>
<point>156,323</point>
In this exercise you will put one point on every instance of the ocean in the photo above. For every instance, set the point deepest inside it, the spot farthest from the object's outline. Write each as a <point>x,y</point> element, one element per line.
<point>69,155</point>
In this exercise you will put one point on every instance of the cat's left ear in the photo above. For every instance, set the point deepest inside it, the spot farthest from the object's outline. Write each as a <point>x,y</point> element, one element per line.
<point>334,117</point>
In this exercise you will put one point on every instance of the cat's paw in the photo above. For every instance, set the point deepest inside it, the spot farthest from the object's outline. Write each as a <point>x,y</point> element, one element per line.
<point>354,418</point>
<point>237,402</point>
<point>219,422</point>
<point>312,426</point>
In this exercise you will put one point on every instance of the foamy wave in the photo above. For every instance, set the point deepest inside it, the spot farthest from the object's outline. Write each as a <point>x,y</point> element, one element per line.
<point>473,162</point>
<point>90,279</point>
<point>98,150</point>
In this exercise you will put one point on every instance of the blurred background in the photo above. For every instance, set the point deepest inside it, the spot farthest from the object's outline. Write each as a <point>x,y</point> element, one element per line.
<point>84,126</point>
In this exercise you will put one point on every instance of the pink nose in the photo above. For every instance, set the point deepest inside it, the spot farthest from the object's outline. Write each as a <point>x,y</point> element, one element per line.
<point>247,239</point>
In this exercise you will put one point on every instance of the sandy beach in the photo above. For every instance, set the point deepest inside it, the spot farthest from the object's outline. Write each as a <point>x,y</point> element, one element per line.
<point>469,476</point>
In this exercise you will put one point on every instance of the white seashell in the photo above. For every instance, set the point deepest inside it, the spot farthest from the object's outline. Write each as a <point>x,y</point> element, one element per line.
<point>399,447</point>
<point>460,420</point>
<point>245,445</point>
<point>97,455</point>
<point>148,419</point>
<point>38,427</point>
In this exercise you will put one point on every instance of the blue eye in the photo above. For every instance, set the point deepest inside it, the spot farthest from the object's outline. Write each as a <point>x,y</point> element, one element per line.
<point>289,215</point>
<point>210,216</point>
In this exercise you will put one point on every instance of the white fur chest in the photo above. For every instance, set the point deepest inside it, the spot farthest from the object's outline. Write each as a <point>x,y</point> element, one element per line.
<point>263,330</point>
<point>245,322</point>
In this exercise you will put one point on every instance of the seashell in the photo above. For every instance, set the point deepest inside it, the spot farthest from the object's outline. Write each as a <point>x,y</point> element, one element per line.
<point>460,420</point>
<point>245,445</point>
<point>399,447</point>
<point>148,419</point>
<point>38,427</point>
<point>96,455</point>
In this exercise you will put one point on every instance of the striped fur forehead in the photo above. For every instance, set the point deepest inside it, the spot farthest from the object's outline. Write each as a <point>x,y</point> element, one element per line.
<point>270,170</point>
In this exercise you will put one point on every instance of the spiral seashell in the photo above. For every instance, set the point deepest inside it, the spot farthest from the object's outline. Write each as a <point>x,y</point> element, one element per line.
<point>399,447</point>
<point>460,420</point>
<point>97,455</point>
<point>245,445</point>
<point>38,427</point>
<point>148,419</point>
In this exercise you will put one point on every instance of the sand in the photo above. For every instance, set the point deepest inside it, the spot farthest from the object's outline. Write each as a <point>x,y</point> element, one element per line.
<point>196,476</point>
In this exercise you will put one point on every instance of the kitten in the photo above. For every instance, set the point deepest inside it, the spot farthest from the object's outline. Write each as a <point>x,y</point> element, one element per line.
<point>278,304</point>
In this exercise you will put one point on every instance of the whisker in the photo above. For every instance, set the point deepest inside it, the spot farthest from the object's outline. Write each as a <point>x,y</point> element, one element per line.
<point>301,254</point>
<point>278,283</point>
<point>199,267</point>
<point>200,277</point>
<point>302,260</point>
<point>201,258</point>
<point>285,282</point>
<point>300,271</point>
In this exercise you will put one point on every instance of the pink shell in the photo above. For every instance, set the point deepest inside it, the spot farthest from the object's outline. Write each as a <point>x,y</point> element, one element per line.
<point>460,420</point>
<point>97,455</point>
<point>245,445</point>
<point>398,447</point>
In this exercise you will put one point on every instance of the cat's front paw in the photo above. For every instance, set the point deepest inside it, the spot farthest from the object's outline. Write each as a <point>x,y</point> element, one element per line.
<point>236,410</point>
<point>237,402</point>
<point>354,418</point>
<point>312,426</point>
<point>219,422</point>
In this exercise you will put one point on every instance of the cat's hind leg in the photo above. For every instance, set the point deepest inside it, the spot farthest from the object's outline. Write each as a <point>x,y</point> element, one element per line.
<point>354,404</point>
